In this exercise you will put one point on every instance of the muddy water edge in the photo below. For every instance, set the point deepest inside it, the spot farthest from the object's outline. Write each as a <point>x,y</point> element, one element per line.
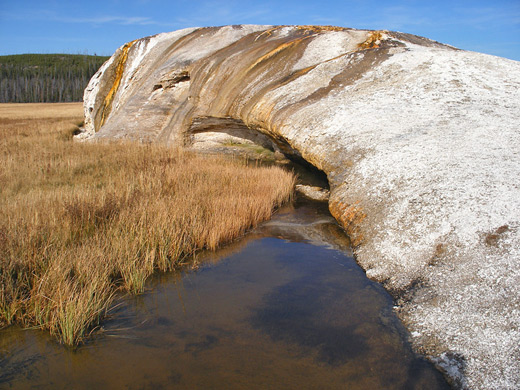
<point>285,307</point>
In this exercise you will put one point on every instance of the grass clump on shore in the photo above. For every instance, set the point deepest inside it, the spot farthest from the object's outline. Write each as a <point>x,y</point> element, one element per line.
<point>80,221</point>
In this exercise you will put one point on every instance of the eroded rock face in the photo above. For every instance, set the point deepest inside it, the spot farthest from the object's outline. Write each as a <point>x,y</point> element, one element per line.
<point>420,143</point>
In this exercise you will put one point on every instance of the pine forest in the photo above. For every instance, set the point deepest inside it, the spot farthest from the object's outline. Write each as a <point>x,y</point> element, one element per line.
<point>46,78</point>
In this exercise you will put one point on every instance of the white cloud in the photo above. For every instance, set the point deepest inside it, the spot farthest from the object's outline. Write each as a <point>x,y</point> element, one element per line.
<point>124,20</point>
<point>44,15</point>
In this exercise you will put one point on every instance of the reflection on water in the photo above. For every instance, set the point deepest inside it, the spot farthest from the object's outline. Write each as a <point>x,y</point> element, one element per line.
<point>285,308</point>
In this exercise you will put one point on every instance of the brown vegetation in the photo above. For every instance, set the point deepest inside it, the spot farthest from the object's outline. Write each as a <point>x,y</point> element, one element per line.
<point>79,222</point>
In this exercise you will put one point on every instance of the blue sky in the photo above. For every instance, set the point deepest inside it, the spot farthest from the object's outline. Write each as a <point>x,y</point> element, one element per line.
<point>95,26</point>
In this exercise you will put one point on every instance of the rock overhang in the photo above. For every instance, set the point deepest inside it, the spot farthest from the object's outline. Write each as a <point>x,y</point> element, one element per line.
<point>417,140</point>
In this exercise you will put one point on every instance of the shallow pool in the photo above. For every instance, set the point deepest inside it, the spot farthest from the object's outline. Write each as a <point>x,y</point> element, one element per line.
<point>285,307</point>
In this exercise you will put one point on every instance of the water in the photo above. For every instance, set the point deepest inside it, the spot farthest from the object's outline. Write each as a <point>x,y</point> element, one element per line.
<point>286,307</point>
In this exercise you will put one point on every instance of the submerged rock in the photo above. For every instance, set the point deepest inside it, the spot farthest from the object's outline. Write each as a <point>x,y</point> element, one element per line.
<point>419,141</point>
<point>313,192</point>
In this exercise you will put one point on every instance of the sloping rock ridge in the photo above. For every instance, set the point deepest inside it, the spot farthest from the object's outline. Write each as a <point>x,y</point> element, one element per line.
<point>420,143</point>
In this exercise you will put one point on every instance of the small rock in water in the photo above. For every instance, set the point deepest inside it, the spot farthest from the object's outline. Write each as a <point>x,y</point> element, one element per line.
<point>316,193</point>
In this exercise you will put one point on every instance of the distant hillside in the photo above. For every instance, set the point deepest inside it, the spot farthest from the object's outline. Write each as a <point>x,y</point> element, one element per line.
<point>33,78</point>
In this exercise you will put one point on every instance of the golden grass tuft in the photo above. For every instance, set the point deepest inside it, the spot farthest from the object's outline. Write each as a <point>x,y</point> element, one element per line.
<point>80,221</point>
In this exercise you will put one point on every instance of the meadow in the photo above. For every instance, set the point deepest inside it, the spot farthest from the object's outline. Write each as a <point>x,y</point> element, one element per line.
<point>81,223</point>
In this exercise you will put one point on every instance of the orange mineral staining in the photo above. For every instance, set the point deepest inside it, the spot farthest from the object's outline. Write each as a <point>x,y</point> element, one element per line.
<point>374,40</point>
<point>350,216</point>
<point>107,103</point>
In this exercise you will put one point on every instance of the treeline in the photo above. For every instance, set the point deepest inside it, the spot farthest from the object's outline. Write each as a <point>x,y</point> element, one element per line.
<point>46,78</point>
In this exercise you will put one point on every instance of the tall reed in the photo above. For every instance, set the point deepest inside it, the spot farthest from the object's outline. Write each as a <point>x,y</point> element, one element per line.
<point>80,221</point>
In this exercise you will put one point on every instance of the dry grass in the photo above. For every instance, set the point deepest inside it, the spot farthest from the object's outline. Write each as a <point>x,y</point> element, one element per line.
<point>79,222</point>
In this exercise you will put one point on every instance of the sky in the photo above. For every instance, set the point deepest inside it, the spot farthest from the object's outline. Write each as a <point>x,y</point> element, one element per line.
<point>101,26</point>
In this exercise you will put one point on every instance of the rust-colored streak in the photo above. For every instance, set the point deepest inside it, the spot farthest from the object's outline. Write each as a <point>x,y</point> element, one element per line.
<point>308,29</point>
<point>107,103</point>
<point>319,29</point>
<point>268,32</point>
<point>274,52</point>
<point>373,41</point>
<point>350,216</point>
